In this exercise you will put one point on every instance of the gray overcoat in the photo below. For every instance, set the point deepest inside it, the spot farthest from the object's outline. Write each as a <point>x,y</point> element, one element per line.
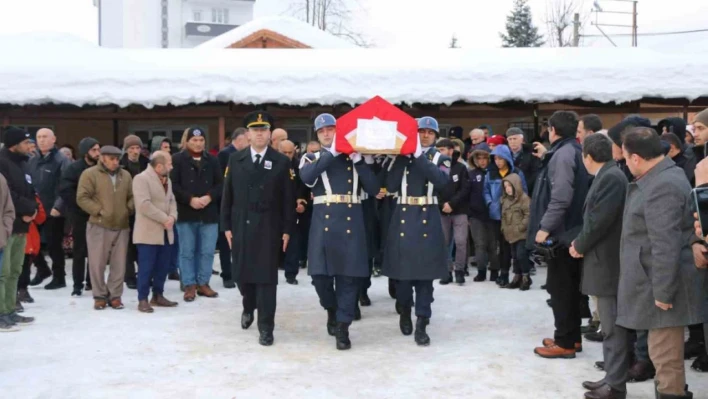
<point>656,261</point>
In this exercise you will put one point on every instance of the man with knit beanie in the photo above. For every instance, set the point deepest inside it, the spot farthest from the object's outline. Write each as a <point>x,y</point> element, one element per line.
<point>13,158</point>
<point>700,130</point>
<point>89,152</point>
<point>135,163</point>
<point>197,182</point>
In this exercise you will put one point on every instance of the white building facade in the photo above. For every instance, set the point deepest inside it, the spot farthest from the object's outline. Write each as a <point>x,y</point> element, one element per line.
<point>168,23</point>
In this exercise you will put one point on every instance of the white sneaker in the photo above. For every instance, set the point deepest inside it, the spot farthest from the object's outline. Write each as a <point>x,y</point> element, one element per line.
<point>8,328</point>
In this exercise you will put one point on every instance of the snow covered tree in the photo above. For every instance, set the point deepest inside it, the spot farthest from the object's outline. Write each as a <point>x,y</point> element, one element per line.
<point>520,30</point>
<point>453,41</point>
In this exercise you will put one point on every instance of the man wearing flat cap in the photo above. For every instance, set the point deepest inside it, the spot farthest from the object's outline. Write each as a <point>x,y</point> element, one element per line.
<point>105,192</point>
<point>257,217</point>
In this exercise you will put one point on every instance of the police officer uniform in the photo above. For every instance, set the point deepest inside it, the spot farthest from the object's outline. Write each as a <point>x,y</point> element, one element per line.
<point>415,252</point>
<point>337,252</point>
<point>258,208</point>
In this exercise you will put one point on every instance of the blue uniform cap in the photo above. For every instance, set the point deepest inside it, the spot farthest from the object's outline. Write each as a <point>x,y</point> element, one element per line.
<point>324,120</point>
<point>428,122</point>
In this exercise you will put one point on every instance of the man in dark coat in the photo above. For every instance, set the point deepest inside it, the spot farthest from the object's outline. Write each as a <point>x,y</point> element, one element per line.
<point>556,213</point>
<point>46,169</point>
<point>337,250</point>
<point>239,141</point>
<point>454,206</point>
<point>683,158</point>
<point>415,249</point>
<point>12,166</point>
<point>524,159</point>
<point>660,288</point>
<point>599,245</point>
<point>370,206</point>
<point>197,182</point>
<point>89,152</point>
<point>291,262</point>
<point>388,204</point>
<point>257,218</point>
<point>135,163</point>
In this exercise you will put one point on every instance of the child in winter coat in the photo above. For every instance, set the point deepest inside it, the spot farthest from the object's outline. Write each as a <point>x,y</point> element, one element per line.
<point>31,252</point>
<point>515,208</point>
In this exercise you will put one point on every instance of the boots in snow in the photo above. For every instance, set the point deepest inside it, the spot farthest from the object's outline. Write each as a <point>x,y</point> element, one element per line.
<point>421,337</point>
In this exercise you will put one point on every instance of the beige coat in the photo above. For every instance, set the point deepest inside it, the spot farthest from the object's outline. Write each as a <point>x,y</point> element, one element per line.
<point>7,212</point>
<point>153,207</point>
<point>109,204</point>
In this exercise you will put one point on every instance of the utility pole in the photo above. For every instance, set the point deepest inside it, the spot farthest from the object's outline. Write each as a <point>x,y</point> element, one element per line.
<point>576,30</point>
<point>597,9</point>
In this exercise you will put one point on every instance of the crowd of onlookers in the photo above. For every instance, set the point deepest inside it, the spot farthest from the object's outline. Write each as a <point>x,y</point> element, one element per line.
<point>590,204</point>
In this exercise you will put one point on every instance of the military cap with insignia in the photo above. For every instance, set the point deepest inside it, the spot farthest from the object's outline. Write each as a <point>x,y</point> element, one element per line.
<point>258,119</point>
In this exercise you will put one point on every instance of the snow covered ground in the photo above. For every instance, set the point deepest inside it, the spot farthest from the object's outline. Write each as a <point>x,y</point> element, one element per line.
<point>482,347</point>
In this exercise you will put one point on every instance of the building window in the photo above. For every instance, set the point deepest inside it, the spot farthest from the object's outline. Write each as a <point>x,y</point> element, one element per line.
<point>197,15</point>
<point>220,15</point>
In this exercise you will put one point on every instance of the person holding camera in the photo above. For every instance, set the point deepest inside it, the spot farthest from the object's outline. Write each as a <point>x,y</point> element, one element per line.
<point>556,214</point>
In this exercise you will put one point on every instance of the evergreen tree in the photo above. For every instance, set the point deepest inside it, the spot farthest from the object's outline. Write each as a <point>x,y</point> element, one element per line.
<point>453,42</point>
<point>520,31</point>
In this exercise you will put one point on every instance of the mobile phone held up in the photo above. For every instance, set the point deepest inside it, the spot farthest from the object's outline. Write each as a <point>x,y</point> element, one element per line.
<point>700,200</point>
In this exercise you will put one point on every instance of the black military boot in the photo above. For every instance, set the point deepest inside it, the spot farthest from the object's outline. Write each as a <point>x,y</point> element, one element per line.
<point>405,321</point>
<point>364,299</point>
<point>447,280</point>
<point>342,334</point>
<point>687,395</point>
<point>459,277</point>
<point>56,283</point>
<point>421,337</point>
<point>331,321</point>
<point>494,275</point>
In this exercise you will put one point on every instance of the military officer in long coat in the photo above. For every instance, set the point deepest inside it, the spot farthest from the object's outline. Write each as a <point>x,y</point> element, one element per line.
<point>257,217</point>
<point>415,252</point>
<point>337,250</point>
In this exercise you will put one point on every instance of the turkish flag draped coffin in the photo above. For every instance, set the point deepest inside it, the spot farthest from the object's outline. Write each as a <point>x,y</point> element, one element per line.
<point>376,127</point>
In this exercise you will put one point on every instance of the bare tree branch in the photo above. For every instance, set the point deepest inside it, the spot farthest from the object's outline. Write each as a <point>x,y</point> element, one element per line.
<point>333,16</point>
<point>559,21</point>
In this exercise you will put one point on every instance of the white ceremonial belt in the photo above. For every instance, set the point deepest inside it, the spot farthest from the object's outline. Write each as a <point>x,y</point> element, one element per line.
<point>394,195</point>
<point>332,199</point>
<point>418,201</point>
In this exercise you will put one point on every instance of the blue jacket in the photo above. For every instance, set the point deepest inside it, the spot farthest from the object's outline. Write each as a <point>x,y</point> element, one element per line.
<point>493,187</point>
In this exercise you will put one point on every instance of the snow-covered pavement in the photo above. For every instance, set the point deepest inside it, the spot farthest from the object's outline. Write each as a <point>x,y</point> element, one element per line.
<point>482,347</point>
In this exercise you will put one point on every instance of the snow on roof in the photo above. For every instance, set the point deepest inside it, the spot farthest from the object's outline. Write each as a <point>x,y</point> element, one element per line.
<point>286,26</point>
<point>79,75</point>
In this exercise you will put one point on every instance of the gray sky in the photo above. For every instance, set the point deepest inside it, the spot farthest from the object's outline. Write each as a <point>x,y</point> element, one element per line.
<point>407,23</point>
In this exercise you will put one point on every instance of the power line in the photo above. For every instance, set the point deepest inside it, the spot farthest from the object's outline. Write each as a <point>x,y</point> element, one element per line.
<point>654,33</point>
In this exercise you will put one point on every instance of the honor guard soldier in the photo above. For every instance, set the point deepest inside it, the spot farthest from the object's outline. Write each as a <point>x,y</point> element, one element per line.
<point>369,206</point>
<point>337,252</point>
<point>415,252</point>
<point>257,217</point>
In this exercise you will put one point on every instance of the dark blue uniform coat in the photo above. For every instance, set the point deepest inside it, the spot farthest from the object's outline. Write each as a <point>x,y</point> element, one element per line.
<point>415,245</point>
<point>337,243</point>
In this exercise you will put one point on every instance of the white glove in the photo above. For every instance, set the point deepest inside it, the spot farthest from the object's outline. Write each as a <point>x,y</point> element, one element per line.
<point>333,148</point>
<point>418,148</point>
<point>355,156</point>
<point>369,159</point>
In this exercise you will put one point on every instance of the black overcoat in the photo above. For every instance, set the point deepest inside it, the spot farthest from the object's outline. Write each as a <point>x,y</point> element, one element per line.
<point>258,207</point>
